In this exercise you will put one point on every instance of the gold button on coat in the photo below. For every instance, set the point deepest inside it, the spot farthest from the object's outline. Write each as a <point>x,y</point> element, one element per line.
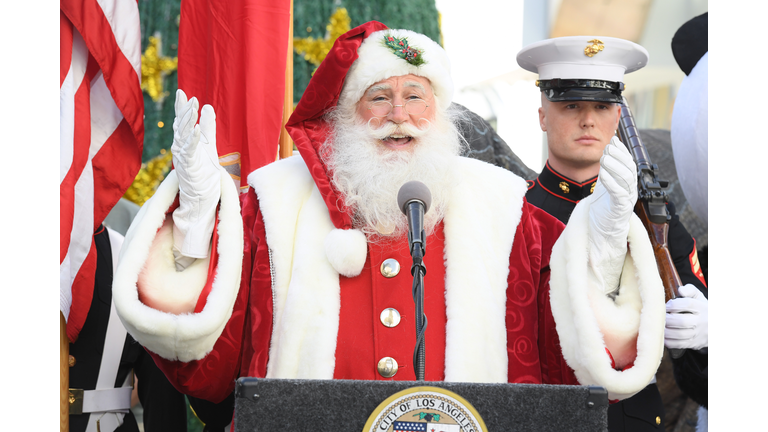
<point>390,317</point>
<point>390,268</point>
<point>387,367</point>
<point>72,360</point>
<point>658,420</point>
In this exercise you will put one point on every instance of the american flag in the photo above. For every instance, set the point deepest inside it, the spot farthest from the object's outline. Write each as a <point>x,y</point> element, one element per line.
<point>101,131</point>
<point>400,426</point>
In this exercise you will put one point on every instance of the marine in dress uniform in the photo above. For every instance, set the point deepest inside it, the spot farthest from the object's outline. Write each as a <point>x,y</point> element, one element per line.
<point>590,69</point>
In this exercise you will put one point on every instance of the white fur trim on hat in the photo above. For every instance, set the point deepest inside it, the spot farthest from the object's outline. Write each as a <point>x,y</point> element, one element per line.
<point>346,251</point>
<point>377,62</point>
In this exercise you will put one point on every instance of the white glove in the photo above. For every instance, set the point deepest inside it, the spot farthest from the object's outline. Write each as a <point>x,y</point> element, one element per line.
<point>197,167</point>
<point>614,199</point>
<point>687,320</point>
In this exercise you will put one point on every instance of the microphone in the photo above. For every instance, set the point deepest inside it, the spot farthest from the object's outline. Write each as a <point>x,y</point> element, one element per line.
<point>414,200</point>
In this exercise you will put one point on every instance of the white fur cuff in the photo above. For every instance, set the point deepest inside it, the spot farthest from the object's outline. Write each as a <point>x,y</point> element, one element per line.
<point>346,251</point>
<point>584,325</point>
<point>183,337</point>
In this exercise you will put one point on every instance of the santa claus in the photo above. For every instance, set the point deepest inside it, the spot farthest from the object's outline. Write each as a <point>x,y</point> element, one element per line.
<point>307,274</point>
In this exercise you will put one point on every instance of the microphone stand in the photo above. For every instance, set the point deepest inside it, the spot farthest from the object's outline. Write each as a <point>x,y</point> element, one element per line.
<point>418,270</point>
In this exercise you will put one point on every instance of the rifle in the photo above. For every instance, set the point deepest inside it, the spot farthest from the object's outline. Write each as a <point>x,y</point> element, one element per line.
<point>651,206</point>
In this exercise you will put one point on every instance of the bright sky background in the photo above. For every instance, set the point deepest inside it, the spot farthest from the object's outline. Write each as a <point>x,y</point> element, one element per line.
<point>481,38</point>
<point>482,42</point>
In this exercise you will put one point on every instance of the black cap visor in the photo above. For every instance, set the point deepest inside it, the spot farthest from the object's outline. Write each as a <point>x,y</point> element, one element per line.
<point>587,90</point>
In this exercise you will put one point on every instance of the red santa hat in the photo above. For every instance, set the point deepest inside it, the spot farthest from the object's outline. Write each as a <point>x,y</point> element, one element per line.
<point>358,59</point>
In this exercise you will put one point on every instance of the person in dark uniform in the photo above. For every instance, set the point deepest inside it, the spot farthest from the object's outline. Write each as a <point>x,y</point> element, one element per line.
<point>581,83</point>
<point>104,358</point>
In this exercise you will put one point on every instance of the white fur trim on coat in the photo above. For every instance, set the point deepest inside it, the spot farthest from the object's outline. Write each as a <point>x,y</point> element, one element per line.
<point>306,284</point>
<point>584,317</point>
<point>183,337</point>
<point>378,62</point>
<point>479,226</point>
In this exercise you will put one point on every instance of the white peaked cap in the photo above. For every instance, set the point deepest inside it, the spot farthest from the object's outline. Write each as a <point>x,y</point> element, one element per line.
<point>589,68</point>
<point>566,58</point>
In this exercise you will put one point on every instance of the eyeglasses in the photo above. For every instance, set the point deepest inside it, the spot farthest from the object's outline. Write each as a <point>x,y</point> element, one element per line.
<point>412,107</point>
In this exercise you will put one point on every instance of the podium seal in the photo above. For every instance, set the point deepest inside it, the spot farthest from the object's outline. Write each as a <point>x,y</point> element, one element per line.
<point>425,409</point>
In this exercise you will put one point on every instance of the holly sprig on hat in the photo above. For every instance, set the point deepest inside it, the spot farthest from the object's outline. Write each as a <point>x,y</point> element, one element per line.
<point>402,49</point>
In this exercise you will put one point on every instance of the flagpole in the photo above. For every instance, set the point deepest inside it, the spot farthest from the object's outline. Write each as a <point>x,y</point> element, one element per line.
<point>64,373</point>
<point>286,143</point>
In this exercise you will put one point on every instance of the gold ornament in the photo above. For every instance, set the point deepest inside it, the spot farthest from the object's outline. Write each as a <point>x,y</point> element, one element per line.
<point>149,177</point>
<point>564,187</point>
<point>315,50</point>
<point>154,68</point>
<point>593,49</point>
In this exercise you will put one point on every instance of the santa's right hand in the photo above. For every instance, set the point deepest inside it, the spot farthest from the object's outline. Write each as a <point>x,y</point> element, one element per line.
<point>199,178</point>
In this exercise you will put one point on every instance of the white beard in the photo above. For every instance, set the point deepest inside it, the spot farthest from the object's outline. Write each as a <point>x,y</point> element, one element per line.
<point>369,175</point>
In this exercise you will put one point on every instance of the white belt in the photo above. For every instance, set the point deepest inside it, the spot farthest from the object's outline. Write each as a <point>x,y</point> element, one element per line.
<point>107,400</point>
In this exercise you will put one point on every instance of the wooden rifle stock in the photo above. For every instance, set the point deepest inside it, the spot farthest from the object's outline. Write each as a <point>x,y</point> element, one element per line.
<point>651,202</point>
<point>651,206</point>
<point>658,236</point>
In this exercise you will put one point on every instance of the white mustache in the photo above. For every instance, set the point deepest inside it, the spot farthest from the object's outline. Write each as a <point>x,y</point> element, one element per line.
<point>389,128</point>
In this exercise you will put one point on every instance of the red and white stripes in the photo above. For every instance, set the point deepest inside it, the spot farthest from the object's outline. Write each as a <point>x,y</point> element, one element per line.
<point>101,134</point>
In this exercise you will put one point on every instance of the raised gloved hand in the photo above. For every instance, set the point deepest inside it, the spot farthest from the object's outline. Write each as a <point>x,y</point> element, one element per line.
<point>614,199</point>
<point>196,162</point>
<point>687,320</point>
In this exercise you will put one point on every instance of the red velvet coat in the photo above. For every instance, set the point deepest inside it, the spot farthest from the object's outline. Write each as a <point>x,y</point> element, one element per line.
<point>242,350</point>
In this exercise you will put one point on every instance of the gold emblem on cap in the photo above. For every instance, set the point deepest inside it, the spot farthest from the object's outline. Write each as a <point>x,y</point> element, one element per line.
<point>596,47</point>
<point>564,187</point>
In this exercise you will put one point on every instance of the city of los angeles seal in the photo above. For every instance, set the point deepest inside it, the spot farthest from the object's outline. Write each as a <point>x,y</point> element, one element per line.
<point>425,409</point>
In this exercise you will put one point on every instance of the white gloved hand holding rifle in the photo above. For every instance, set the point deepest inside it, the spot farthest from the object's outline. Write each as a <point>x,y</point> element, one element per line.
<point>614,201</point>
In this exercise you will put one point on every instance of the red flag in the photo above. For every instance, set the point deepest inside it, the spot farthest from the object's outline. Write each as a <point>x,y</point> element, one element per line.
<point>232,55</point>
<point>102,134</point>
